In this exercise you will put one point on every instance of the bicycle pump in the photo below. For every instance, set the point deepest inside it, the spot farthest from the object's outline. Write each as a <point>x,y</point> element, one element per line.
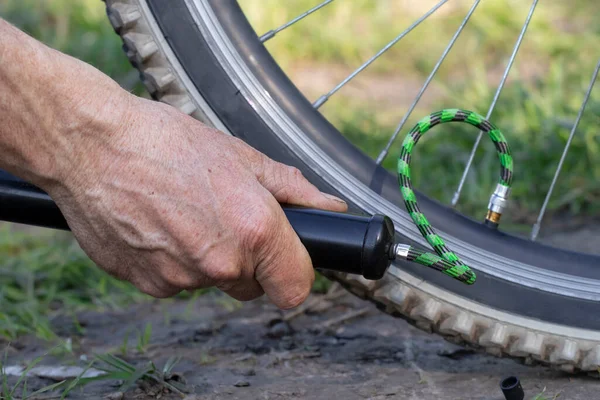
<point>349,243</point>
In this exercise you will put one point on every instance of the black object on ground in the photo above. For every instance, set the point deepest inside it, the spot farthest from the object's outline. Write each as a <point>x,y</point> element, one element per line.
<point>511,387</point>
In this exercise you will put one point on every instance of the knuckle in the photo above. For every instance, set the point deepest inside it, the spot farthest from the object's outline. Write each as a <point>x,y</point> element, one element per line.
<point>289,176</point>
<point>177,278</point>
<point>259,227</point>
<point>151,290</point>
<point>294,173</point>
<point>157,289</point>
<point>246,152</point>
<point>223,274</point>
<point>288,182</point>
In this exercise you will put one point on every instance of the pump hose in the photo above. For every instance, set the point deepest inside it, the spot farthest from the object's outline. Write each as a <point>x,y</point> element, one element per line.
<point>448,262</point>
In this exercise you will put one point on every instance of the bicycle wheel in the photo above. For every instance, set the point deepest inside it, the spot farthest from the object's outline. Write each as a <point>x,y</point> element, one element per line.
<point>203,57</point>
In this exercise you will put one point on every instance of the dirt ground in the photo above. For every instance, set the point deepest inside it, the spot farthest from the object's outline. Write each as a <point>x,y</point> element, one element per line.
<point>337,348</point>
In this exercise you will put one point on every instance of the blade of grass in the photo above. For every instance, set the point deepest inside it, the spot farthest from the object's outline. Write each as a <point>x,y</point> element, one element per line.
<point>170,386</point>
<point>144,338</point>
<point>173,388</point>
<point>3,373</point>
<point>116,362</point>
<point>76,381</point>
<point>45,389</point>
<point>171,362</point>
<point>135,376</point>
<point>26,371</point>
<point>125,344</point>
<point>109,376</point>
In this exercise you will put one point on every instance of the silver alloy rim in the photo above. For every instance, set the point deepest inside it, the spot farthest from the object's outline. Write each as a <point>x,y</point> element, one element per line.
<point>360,194</point>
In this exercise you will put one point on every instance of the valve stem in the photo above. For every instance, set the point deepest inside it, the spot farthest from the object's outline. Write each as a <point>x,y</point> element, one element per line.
<point>497,204</point>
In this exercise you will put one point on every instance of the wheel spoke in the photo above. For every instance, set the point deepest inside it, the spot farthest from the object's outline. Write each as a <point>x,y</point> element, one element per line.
<point>274,32</point>
<point>463,178</point>
<point>321,100</point>
<point>390,142</point>
<point>536,227</point>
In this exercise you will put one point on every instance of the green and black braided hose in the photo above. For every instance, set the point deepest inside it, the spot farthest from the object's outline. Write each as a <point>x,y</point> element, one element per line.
<point>335,241</point>
<point>446,261</point>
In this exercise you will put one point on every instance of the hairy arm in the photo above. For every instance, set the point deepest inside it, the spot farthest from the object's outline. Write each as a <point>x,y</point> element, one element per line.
<point>46,100</point>
<point>152,196</point>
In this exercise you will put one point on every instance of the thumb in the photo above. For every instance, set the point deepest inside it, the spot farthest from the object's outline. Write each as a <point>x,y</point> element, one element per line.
<point>289,186</point>
<point>283,267</point>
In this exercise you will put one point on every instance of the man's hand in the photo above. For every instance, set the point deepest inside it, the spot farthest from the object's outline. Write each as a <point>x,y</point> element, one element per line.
<point>170,204</point>
<point>152,196</point>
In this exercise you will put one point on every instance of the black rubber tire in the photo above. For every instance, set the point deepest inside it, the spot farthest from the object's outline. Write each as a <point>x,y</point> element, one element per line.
<point>240,118</point>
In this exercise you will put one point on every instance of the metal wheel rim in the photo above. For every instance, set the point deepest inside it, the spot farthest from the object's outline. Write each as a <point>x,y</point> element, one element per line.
<point>491,263</point>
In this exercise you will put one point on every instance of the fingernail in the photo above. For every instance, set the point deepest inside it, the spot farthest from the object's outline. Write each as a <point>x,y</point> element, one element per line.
<point>331,197</point>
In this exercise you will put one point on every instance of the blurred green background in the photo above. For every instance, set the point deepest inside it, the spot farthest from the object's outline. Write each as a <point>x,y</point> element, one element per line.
<point>536,109</point>
<point>46,273</point>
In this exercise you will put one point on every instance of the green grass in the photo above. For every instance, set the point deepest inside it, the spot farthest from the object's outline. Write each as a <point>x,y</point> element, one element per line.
<point>542,396</point>
<point>47,273</point>
<point>9,392</point>
<point>114,369</point>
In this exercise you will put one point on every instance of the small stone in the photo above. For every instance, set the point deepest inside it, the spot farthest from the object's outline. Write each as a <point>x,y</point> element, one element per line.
<point>259,348</point>
<point>287,344</point>
<point>279,330</point>
<point>242,384</point>
<point>327,341</point>
<point>114,396</point>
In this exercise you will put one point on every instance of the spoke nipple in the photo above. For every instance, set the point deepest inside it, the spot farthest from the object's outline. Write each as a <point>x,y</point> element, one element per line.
<point>381,157</point>
<point>320,101</point>
<point>535,231</point>
<point>267,36</point>
<point>455,198</point>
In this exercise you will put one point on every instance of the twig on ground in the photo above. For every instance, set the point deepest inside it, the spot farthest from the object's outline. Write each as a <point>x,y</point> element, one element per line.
<point>343,318</point>
<point>335,291</point>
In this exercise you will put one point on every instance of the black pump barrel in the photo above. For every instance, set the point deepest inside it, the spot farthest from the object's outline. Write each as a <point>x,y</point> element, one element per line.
<point>335,241</point>
<point>345,242</point>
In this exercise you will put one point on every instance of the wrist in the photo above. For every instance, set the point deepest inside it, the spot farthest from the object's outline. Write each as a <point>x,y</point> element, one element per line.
<point>94,113</point>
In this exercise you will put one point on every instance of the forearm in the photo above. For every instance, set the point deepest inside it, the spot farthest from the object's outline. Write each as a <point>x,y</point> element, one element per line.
<point>152,195</point>
<point>48,102</point>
